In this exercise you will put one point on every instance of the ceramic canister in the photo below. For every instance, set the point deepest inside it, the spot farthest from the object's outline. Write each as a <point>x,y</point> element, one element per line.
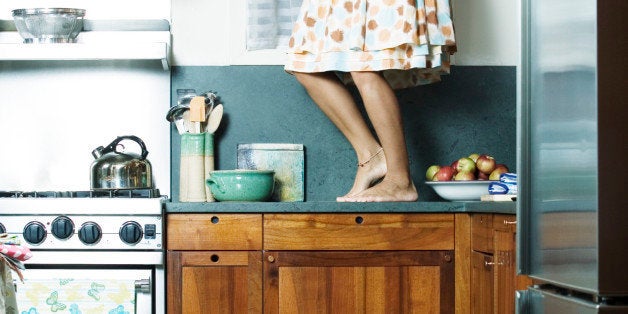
<point>192,169</point>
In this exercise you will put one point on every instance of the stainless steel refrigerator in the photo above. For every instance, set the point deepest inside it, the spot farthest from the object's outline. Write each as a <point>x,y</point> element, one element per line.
<point>572,209</point>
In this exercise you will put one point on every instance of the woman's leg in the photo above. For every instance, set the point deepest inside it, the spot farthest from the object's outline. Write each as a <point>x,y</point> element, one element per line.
<point>383,110</point>
<point>333,98</point>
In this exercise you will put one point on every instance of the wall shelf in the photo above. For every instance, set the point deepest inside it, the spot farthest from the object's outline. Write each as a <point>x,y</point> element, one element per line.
<point>86,51</point>
<point>123,40</point>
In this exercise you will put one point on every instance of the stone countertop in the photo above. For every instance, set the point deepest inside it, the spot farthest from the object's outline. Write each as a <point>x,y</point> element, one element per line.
<point>335,207</point>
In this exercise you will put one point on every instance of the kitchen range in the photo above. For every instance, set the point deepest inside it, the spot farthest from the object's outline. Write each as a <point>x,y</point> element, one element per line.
<point>95,229</point>
<point>91,241</point>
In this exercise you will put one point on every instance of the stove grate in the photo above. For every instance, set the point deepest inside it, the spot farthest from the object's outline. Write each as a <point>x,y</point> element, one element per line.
<point>127,193</point>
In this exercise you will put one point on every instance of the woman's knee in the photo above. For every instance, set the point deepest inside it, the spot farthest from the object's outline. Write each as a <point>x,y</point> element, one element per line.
<point>303,78</point>
<point>363,78</point>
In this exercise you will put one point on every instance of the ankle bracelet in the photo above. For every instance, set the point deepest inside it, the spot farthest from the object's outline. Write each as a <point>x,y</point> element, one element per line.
<point>362,164</point>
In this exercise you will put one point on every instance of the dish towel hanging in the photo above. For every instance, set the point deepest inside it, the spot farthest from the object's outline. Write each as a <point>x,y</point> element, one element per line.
<point>71,295</point>
<point>270,22</point>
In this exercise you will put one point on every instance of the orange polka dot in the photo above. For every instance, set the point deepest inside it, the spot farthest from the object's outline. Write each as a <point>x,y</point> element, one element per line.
<point>389,2</point>
<point>357,4</point>
<point>447,31</point>
<point>431,18</point>
<point>298,65</point>
<point>348,6</point>
<point>384,35</point>
<point>372,24</point>
<point>337,35</point>
<point>322,12</point>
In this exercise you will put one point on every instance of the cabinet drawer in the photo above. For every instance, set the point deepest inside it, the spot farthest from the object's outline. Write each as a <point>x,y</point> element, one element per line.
<point>482,232</point>
<point>358,232</point>
<point>214,232</point>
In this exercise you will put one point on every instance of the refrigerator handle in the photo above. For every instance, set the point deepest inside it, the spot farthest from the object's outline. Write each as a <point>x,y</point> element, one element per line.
<point>523,144</point>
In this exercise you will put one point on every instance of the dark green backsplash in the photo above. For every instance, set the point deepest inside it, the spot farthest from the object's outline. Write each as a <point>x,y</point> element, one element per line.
<point>472,110</point>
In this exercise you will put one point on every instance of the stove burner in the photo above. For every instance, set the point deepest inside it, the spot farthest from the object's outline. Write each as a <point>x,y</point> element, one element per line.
<point>131,193</point>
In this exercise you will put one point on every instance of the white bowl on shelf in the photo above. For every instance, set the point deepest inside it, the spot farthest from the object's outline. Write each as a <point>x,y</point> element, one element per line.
<point>460,190</point>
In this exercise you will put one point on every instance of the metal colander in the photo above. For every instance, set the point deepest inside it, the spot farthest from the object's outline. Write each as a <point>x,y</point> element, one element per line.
<point>49,25</point>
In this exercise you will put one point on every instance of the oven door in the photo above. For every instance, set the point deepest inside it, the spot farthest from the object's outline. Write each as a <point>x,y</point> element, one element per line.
<point>85,290</point>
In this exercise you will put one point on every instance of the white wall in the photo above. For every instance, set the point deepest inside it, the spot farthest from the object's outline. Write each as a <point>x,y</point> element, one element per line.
<point>208,32</point>
<point>54,113</point>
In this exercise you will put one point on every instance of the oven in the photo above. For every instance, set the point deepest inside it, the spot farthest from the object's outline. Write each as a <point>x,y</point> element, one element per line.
<point>93,251</point>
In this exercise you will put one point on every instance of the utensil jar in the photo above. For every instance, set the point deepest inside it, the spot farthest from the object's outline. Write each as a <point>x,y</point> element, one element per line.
<point>192,169</point>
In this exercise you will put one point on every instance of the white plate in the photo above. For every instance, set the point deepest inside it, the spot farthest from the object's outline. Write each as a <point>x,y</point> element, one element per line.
<point>460,190</point>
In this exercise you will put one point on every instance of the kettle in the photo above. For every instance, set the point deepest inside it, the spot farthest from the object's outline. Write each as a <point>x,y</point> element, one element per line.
<point>114,169</point>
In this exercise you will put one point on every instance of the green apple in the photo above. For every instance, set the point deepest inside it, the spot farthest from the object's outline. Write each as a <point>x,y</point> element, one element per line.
<point>464,176</point>
<point>465,164</point>
<point>474,157</point>
<point>431,171</point>
<point>499,169</point>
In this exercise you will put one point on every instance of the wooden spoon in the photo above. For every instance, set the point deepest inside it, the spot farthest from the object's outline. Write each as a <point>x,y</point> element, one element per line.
<point>214,119</point>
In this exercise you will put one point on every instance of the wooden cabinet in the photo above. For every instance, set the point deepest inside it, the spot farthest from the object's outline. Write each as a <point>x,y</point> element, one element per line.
<point>347,263</point>
<point>214,263</point>
<point>493,270</point>
<point>341,263</point>
<point>214,282</point>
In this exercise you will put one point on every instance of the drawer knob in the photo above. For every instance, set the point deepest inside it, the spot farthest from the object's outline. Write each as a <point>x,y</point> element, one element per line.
<point>359,220</point>
<point>506,222</point>
<point>271,258</point>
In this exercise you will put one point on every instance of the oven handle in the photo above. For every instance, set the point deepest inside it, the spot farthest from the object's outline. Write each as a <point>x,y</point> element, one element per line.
<point>96,258</point>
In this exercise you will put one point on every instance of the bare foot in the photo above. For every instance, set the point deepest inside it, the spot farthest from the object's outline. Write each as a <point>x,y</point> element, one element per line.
<point>387,191</point>
<point>368,174</point>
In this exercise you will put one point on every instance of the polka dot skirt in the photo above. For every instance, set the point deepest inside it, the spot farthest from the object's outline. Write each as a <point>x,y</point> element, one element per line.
<point>409,41</point>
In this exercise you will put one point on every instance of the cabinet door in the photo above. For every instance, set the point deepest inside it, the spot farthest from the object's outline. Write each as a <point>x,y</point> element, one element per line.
<point>214,282</point>
<point>359,282</point>
<point>505,273</point>
<point>482,283</point>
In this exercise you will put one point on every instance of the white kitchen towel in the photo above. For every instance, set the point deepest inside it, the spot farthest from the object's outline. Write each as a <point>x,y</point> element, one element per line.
<point>72,295</point>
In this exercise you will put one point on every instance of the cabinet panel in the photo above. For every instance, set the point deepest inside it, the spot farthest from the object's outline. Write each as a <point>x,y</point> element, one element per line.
<point>482,283</point>
<point>482,232</point>
<point>359,232</point>
<point>359,282</point>
<point>504,271</point>
<point>214,232</point>
<point>214,282</point>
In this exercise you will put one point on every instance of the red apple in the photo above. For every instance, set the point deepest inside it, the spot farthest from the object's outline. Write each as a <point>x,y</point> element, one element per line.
<point>465,164</point>
<point>431,171</point>
<point>485,164</point>
<point>482,176</point>
<point>474,157</point>
<point>464,176</point>
<point>445,173</point>
<point>499,169</point>
<point>454,165</point>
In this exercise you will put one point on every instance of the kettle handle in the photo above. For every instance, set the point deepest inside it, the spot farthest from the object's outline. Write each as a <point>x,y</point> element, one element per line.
<point>112,147</point>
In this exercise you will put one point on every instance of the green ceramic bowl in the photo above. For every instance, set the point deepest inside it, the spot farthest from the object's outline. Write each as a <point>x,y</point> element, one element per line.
<point>241,185</point>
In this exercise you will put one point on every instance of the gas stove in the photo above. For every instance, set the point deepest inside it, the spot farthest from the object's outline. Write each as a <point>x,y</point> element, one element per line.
<point>96,220</point>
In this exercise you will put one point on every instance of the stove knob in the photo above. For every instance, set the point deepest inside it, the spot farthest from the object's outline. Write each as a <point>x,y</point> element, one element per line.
<point>89,233</point>
<point>34,232</point>
<point>62,227</point>
<point>131,232</point>
<point>2,229</point>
